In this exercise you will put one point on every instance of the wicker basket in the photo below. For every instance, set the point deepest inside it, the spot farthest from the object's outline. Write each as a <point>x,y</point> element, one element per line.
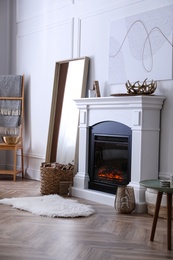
<point>151,196</point>
<point>53,175</point>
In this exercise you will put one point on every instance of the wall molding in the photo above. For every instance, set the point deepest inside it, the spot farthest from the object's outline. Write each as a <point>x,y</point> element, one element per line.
<point>46,27</point>
<point>165,175</point>
<point>109,8</point>
<point>60,4</point>
<point>33,156</point>
<point>32,174</point>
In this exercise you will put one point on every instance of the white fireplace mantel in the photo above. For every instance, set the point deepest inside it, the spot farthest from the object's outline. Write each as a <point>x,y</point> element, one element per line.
<point>142,115</point>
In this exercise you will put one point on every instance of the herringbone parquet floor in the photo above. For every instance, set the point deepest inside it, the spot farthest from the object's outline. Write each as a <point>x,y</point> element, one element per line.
<point>104,235</point>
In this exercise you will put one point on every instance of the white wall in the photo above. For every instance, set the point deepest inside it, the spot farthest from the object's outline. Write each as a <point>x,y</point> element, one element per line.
<point>54,30</point>
<point>4,37</point>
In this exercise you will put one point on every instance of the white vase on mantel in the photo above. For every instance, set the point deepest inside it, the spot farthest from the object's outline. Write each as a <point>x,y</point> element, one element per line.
<point>150,197</point>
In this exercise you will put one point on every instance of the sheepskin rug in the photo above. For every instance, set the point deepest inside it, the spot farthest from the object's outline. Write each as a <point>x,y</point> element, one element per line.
<point>50,206</point>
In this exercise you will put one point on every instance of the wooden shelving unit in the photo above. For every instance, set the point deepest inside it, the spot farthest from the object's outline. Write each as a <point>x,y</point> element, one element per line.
<point>14,148</point>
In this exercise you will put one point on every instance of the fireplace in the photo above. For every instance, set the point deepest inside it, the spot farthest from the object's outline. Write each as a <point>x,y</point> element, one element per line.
<point>141,115</point>
<point>109,156</point>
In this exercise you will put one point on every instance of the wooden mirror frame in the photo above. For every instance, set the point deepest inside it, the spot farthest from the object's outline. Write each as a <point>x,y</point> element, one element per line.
<point>60,76</point>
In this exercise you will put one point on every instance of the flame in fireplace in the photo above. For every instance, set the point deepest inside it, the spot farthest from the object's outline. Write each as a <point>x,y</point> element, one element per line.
<point>110,173</point>
<point>111,176</point>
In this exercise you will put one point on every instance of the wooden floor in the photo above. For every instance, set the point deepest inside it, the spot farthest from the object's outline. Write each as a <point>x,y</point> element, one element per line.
<point>106,235</point>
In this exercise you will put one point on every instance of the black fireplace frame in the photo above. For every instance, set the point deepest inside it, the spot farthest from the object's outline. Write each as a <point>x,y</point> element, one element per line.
<point>114,129</point>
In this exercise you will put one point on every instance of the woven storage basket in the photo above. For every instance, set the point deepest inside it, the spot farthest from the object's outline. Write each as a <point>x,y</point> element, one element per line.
<point>52,175</point>
<point>151,196</point>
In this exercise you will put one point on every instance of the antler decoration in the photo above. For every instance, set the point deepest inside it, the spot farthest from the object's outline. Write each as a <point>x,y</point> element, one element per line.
<point>142,89</point>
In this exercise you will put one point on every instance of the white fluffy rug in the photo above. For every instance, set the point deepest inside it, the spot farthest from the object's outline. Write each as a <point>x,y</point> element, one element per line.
<point>50,206</point>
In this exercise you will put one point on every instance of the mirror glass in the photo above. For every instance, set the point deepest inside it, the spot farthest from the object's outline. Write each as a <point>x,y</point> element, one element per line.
<point>69,83</point>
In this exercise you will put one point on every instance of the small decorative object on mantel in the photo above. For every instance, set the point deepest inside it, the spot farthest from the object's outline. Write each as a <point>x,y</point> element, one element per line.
<point>141,89</point>
<point>125,199</point>
<point>56,178</point>
<point>96,88</point>
<point>95,91</point>
<point>91,93</point>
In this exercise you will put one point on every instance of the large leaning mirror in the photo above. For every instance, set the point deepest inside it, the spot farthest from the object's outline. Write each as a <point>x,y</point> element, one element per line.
<point>70,81</point>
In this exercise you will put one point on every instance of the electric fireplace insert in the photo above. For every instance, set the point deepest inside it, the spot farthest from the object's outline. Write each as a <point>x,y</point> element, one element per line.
<point>109,158</point>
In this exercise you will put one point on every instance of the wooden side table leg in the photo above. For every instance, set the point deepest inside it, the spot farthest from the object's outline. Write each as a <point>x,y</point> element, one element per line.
<point>169,219</point>
<point>156,213</point>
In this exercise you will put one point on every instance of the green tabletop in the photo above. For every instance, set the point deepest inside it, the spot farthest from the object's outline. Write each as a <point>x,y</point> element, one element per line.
<point>155,184</point>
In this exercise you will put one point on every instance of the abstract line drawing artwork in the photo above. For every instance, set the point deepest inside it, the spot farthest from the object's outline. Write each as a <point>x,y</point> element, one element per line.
<point>141,46</point>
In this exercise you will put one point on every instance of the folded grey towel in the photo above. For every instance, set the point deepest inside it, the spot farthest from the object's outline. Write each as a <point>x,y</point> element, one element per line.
<point>11,86</point>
